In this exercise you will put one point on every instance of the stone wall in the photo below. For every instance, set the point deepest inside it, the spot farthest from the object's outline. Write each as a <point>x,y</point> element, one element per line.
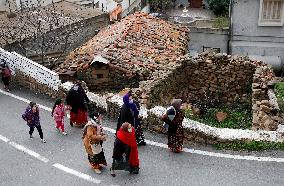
<point>68,38</point>
<point>266,112</point>
<point>205,79</point>
<point>212,80</point>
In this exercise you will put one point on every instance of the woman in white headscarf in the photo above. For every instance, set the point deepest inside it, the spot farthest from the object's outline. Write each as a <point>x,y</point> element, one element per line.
<point>93,138</point>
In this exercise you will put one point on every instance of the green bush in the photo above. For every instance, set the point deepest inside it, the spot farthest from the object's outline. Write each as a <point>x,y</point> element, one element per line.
<point>160,5</point>
<point>279,89</point>
<point>221,22</point>
<point>220,7</point>
<point>238,117</point>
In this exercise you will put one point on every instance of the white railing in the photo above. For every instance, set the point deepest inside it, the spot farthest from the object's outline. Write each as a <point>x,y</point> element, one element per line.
<point>30,68</point>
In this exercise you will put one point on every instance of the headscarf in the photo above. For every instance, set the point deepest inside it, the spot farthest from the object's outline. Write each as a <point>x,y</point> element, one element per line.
<point>129,139</point>
<point>89,124</point>
<point>176,103</point>
<point>130,105</point>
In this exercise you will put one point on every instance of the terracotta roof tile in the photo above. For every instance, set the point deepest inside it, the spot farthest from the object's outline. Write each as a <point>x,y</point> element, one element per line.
<point>137,43</point>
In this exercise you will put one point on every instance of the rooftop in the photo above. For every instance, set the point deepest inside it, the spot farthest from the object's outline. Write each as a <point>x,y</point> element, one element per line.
<point>138,43</point>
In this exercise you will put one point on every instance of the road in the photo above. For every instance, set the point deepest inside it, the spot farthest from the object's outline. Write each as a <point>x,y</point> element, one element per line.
<point>63,161</point>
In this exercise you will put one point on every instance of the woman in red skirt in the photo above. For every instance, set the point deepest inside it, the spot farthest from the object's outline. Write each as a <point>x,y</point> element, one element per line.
<point>77,100</point>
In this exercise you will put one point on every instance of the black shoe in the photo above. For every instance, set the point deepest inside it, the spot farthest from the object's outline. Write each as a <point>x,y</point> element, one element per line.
<point>142,143</point>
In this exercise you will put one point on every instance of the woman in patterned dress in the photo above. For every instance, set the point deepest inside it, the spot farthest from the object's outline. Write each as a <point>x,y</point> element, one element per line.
<point>93,139</point>
<point>175,130</point>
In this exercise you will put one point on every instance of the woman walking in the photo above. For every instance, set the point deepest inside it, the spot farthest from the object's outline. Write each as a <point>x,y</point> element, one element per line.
<point>129,113</point>
<point>77,99</point>
<point>6,76</point>
<point>93,139</point>
<point>125,152</point>
<point>58,114</point>
<point>31,116</point>
<point>175,129</point>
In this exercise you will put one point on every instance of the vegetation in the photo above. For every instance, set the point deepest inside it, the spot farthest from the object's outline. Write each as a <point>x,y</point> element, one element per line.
<point>251,146</point>
<point>238,117</point>
<point>221,22</point>
<point>279,88</point>
<point>160,5</point>
<point>220,7</point>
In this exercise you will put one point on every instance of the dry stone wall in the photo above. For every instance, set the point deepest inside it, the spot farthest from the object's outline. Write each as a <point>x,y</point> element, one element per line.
<point>214,79</point>
<point>205,79</point>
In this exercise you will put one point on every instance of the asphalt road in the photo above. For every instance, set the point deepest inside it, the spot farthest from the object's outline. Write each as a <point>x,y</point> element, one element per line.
<point>158,165</point>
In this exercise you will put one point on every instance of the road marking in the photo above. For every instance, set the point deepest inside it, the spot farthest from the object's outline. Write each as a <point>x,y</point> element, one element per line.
<point>157,144</point>
<point>29,152</point>
<point>3,138</point>
<point>76,173</point>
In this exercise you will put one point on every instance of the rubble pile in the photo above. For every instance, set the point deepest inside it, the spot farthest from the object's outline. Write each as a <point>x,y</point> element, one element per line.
<point>137,46</point>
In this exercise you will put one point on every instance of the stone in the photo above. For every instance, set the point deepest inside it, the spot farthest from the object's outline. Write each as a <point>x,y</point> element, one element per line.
<point>221,116</point>
<point>265,108</point>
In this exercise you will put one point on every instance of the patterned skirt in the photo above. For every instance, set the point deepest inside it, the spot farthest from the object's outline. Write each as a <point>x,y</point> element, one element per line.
<point>97,160</point>
<point>79,119</point>
<point>139,134</point>
<point>175,140</point>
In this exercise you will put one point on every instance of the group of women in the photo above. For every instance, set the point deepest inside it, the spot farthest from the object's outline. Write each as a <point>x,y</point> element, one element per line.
<point>129,134</point>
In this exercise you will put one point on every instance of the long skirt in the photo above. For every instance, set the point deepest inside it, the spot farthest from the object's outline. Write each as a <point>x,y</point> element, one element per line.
<point>139,135</point>
<point>6,80</point>
<point>79,119</point>
<point>97,160</point>
<point>175,139</point>
<point>121,153</point>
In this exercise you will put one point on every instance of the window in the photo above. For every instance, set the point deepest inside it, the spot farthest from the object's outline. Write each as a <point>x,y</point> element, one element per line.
<point>217,50</point>
<point>271,13</point>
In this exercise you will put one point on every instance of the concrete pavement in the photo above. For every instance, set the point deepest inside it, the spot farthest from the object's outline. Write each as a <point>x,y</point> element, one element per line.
<point>158,165</point>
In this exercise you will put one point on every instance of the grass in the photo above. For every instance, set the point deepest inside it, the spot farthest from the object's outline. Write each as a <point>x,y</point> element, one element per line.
<point>238,117</point>
<point>221,22</point>
<point>279,89</point>
<point>251,146</point>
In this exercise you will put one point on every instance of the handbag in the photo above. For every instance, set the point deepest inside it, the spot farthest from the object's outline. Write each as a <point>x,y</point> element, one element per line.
<point>97,148</point>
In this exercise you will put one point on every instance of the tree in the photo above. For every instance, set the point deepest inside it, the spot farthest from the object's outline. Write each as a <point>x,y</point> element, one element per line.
<point>220,7</point>
<point>160,5</point>
<point>36,30</point>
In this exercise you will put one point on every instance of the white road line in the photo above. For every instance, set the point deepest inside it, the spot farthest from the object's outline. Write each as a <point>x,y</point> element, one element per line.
<point>199,152</point>
<point>3,138</point>
<point>29,152</point>
<point>76,173</point>
<point>24,100</point>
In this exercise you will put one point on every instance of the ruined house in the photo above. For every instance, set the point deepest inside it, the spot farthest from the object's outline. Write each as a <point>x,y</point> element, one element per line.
<point>125,53</point>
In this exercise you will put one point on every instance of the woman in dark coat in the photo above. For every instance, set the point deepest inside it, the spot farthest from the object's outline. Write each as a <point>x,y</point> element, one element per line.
<point>129,113</point>
<point>6,76</point>
<point>125,152</point>
<point>175,130</point>
<point>77,99</point>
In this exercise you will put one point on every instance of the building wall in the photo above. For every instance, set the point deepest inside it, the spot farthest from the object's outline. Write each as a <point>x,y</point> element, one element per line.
<point>81,32</point>
<point>250,39</point>
<point>207,37</point>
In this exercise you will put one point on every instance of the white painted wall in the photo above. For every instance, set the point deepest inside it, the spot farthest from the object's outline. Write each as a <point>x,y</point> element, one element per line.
<point>40,73</point>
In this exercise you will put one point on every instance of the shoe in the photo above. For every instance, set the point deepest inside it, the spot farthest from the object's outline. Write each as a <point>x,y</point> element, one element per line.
<point>64,133</point>
<point>112,172</point>
<point>142,143</point>
<point>98,171</point>
<point>43,141</point>
<point>31,136</point>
